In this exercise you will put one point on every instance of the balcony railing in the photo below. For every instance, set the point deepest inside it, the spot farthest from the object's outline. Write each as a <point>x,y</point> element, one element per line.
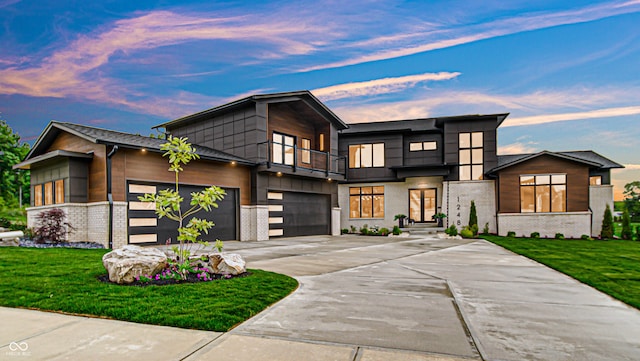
<point>301,159</point>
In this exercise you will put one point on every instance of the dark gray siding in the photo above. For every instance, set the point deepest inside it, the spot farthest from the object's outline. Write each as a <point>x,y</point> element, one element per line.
<point>605,174</point>
<point>74,172</point>
<point>393,152</point>
<point>425,157</point>
<point>453,128</point>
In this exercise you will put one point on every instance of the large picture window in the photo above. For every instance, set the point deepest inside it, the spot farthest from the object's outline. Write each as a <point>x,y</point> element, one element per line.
<point>283,148</point>
<point>366,202</point>
<point>543,193</point>
<point>48,193</point>
<point>366,155</point>
<point>470,156</point>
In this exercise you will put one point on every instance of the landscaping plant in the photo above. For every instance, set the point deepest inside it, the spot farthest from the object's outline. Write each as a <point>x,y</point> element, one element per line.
<point>168,203</point>
<point>452,230</point>
<point>52,226</point>
<point>607,224</point>
<point>626,225</point>
<point>396,231</point>
<point>473,217</point>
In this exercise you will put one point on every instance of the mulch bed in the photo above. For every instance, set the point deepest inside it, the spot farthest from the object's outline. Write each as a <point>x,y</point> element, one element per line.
<point>191,278</point>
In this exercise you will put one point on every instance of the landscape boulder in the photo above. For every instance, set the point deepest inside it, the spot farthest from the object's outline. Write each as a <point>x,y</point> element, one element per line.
<point>126,263</point>
<point>227,263</point>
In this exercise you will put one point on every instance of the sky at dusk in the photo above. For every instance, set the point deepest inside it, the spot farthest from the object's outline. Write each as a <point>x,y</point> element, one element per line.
<point>567,71</point>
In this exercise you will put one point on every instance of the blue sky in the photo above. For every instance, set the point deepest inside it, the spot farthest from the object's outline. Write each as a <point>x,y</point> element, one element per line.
<point>568,72</point>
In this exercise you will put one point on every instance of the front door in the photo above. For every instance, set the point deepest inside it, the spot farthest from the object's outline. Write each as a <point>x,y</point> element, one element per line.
<point>422,205</point>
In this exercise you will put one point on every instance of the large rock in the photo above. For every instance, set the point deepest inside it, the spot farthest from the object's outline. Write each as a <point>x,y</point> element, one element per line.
<point>227,263</point>
<point>126,263</point>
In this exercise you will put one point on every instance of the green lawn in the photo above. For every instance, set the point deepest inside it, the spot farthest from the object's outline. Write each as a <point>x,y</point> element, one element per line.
<point>65,280</point>
<point>612,267</point>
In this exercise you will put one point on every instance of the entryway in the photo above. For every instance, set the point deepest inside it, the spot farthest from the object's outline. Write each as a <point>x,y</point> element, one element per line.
<point>422,204</point>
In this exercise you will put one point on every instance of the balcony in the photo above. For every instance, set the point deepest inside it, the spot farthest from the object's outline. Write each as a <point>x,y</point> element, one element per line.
<point>291,159</point>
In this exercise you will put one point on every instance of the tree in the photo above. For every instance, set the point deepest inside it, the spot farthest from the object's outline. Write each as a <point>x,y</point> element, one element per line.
<point>632,197</point>
<point>168,203</point>
<point>607,224</point>
<point>12,182</point>
<point>626,225</point>
<point>473,217</point>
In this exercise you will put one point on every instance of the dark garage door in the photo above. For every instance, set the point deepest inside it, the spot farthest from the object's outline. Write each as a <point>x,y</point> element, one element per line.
<point>142,230</point>
<point>301,214</point>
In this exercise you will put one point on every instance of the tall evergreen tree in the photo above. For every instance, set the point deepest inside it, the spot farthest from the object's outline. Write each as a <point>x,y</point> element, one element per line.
<point>626,225</point>
<point>473,217</point>
<point>607,224</point>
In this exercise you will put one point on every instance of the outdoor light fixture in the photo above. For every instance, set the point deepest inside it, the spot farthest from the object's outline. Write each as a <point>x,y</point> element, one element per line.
<point>233,162</point>
<point>143,150</point>
<point>279,174</point>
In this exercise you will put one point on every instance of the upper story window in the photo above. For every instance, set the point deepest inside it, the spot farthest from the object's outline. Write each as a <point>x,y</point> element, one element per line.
<point>283,148</point>
<point>366,155</point>
<point>595,180</point>
<point>48,193</point>
<point>543,193</point>
<point>471,156</point>
<point>305,153</point>
<point>418,146</point>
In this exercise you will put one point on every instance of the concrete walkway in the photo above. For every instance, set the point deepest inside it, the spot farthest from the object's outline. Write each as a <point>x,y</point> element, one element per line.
<point>369,298</point>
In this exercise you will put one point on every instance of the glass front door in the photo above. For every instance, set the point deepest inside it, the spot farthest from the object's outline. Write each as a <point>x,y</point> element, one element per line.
<point>422,205</point>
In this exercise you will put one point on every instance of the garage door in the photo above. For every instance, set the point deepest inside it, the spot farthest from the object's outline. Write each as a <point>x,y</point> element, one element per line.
<point>146,228</point>
<point>298,214</point>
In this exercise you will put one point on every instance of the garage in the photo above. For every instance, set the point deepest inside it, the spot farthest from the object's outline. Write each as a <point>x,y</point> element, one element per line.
<point>146,228</point>
<point>298,214</point>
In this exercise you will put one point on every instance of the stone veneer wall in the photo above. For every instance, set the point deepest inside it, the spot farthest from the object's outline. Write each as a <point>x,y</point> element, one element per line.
<point>254,223</point>
<point>90,221</point>
<point>570,224</point>
<point>599,197</point>
<point>457,199</point>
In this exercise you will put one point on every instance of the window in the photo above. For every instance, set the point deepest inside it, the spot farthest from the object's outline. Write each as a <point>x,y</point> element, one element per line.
<point>470,156</point>
<point>366,155</point>
<point>366,202</point>
<point>595,180</point>
<point>321,142</point>
<point>306,153</point>
<point>543,193</point>
<point>59,198</point>
<point>49,193</point>
<point>37,195</point>
<point>283,148</point>
<point>418,146</point>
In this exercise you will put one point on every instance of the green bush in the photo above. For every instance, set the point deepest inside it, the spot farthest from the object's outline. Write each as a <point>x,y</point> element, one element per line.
<point>452,230</point>
<point>466,233</point>
<point>352,228</point>
<point>384,231</point>
<point>559,236</point>
<point>474,229</point>
<point>344,230</point>
<point>396,231</point>
<point>364,229</point>
<point>485,230</point>
<point>511,234</point>
<point>535,235</point>
<point>626,225</point>
<point>473,217</point>
<point>586,237</point>
<point>607,224</point>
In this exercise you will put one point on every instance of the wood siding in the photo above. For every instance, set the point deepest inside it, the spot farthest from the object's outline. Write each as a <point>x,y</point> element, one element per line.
<point>97,166</point>
<point>577,182</point>
<point>129,164</point>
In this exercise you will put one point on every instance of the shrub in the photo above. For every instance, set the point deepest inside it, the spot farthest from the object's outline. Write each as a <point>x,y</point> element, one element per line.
<point>559,236</point>
<point>474,229</point>
<point>626,225</point>
<point>352,229</point>
<point>396,231</point>
<point>473,217</point>
<point>638,233</point>
<point>344,231</point>
<point>364,229</point>
<point>535,235</point>
<point>586,237</point>
<point>452,230</point>
<point>511,234</point>
<point>607,224</point>
<point>466,232</point>
<point>52,226</point>
<point>485,230</point>
<point>384,231</point>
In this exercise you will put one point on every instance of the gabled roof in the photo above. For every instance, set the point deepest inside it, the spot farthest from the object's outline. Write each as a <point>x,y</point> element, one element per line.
<point>587,157</point>
<point>301,95</point>
<point>418,125</point>
<point>111,137</point>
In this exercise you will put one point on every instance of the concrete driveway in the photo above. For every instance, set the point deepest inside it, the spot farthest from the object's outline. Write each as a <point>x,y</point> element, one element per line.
<point>373,298</point>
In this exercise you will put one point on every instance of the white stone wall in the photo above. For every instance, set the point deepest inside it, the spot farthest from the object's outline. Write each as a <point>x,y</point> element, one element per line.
<point>120,226</point>
<point>457,199</point>
<point>254,223</point>
<point>335,221</point>
<point>76,216</point>
<point>570,224</point>
<point>599,197</point>
<point>396,200</point>
<point>98,220</point>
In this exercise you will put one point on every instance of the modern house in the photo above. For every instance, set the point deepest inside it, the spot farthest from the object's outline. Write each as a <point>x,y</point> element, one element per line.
<point>291,167</point>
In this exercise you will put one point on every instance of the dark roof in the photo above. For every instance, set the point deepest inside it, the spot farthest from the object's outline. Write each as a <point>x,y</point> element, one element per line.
<point>52,155</point>
<point>303,95</point>
<point>126,140</point>
<point>417,125</point>
<point>588,157</point>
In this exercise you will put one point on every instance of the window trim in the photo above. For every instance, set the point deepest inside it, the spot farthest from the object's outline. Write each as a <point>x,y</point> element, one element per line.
<point>373,195</point>
<point>548,182</point>
<point>375,162</point>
